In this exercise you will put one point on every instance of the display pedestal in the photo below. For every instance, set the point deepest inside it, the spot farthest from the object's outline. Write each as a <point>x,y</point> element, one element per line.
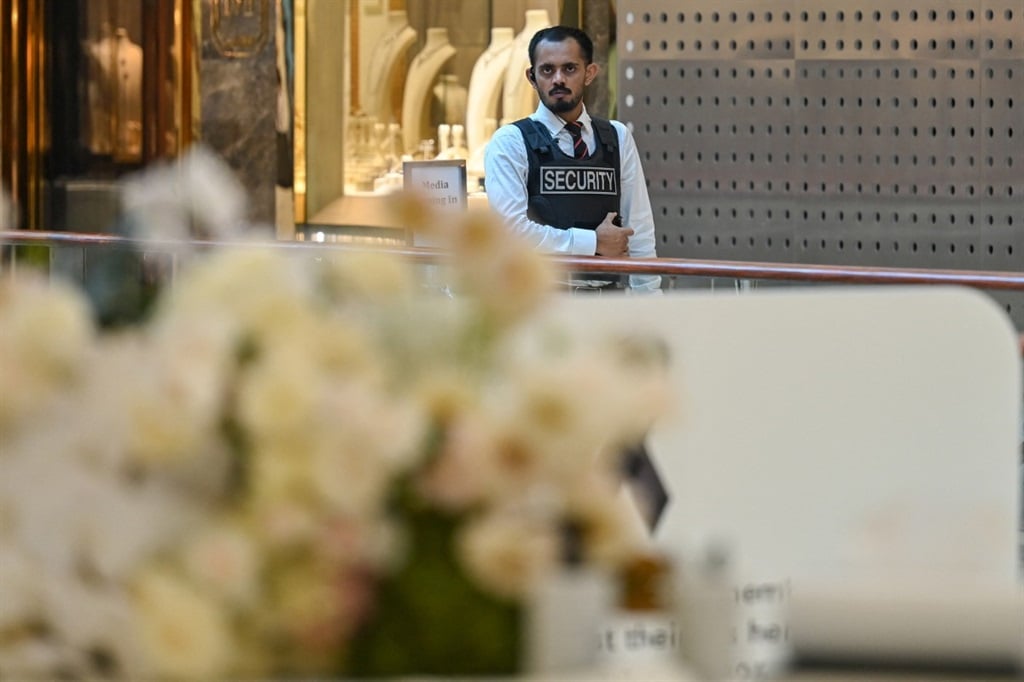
<point>519,99</point>
<point>485,88</point>
<point>383,89</point>
<point>419,85</point>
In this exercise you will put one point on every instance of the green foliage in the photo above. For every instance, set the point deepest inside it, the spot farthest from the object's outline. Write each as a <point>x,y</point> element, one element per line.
<point>32,255</point>
<point>430,619</point>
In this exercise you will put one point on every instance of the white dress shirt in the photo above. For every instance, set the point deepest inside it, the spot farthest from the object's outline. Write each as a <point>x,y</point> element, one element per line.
<point>505,170</point>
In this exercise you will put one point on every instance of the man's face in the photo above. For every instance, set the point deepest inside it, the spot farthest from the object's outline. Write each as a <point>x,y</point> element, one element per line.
<point>561,76</point>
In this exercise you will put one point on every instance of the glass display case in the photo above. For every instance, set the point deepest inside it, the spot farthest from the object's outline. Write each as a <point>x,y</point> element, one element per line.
<point>91,90</point>
<point>416,81</point>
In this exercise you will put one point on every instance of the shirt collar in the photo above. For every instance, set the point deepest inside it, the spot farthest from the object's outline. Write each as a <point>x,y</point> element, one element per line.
<point>555,123</point>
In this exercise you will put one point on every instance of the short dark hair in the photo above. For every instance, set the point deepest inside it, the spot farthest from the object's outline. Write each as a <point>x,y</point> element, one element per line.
<point>557,34</point>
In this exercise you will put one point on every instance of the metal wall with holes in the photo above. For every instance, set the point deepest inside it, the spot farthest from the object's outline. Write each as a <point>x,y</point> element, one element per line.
<point>863,133</point>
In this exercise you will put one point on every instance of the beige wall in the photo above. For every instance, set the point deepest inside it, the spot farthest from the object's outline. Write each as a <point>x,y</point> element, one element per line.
<point>326,101</point>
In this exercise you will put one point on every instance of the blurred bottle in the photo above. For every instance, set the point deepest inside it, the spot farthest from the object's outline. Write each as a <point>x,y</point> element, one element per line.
<point>708,614</point>
<point>565,613</point>
<point>642,640</point>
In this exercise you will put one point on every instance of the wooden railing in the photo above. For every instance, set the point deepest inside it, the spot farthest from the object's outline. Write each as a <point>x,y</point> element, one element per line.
<point>668,267</point>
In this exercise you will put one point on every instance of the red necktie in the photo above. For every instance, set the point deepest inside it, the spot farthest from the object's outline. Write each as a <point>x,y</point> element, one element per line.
<point>579,147</point>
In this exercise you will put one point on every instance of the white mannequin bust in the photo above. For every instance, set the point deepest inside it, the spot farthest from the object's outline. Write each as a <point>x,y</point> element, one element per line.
<point>519,99</point>
<point>115,96</point>
<point>419,84</point>
<point>387,69</point>
<point>485,86</point>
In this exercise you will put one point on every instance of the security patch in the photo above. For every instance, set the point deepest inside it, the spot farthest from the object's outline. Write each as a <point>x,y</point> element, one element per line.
<point>577,180</point>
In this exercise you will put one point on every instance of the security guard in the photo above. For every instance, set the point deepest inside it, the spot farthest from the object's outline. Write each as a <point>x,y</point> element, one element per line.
<point>568,182</point>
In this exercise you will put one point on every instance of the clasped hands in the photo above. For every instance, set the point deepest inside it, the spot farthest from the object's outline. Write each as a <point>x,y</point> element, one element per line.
<point>612,240</point>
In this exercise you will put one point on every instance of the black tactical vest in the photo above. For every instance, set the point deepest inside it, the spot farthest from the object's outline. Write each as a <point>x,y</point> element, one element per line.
<point>566,192</point>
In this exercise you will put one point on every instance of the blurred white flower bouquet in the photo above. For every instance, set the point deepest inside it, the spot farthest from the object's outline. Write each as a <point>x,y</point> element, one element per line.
<point>303,463</point>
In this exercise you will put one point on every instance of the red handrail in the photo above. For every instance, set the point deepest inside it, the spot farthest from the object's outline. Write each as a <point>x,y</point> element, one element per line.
<point>678,267</point>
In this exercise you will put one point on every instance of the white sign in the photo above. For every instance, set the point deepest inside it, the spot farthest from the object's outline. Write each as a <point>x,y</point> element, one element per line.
<point>850,447</point>
<point>442,184</point>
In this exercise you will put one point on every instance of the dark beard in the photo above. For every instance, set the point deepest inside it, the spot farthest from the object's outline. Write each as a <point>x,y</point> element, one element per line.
<point>561,106</point>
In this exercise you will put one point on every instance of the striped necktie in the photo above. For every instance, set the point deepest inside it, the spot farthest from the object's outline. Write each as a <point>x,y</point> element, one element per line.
<point>579,147</point>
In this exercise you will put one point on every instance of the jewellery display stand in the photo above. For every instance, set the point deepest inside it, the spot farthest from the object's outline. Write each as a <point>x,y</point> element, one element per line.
<point>366,145</point>
<point>419,84</point>
<point>485,87</point>
<point>518,97</point>
<point>444,139</point>
<point>381,97</point>
<point>454,142</point>
<point>449,103</point>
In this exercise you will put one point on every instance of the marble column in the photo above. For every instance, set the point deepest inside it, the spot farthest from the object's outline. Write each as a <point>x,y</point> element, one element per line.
<point>597,22</point>
<point>237,89</point>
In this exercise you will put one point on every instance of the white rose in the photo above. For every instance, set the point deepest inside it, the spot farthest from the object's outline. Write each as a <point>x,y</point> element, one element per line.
<point>45,334</point>
<point>50,326</point>
<point>366,438</point>
<point>95,620</point>
<point>169,200</point>
<point>66,510</point>
<point>127,523</point>
<point>280,474</point>
<point>277,396</point>
<point>21,582</point>
<point>224,560</point>
<point>43,495</point>
<point>285,523</point>
<point>388,426</point>
<point>368,276</point>
<point>184,634</point>
<point>31,658</point>
<point>257,291</point>
<point>507,553</point>
<point>462,474</point>
<point>351,481</point>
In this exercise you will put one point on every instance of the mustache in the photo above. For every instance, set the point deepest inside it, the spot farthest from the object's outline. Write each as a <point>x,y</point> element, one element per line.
<point>559,91</point>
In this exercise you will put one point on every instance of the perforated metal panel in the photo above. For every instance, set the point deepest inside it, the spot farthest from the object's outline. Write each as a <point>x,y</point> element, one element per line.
<point>865,133</point>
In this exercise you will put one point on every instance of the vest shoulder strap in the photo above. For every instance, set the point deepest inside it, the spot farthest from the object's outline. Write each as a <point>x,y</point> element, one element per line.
<point>605,132</point>
<point>535,135</point>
